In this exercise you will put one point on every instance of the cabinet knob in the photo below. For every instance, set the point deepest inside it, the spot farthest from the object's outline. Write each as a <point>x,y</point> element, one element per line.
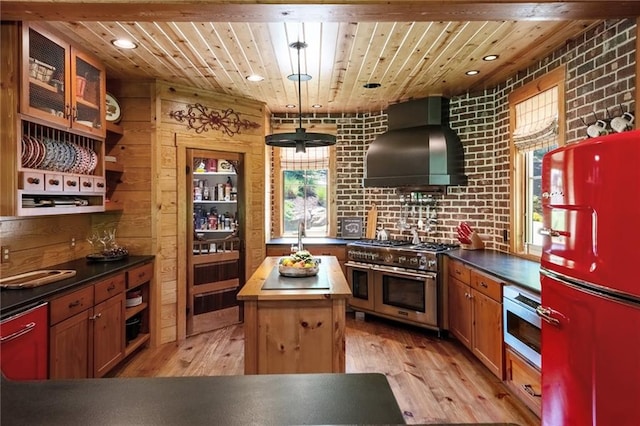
<point>33,180</point>
<point>95,317</point>
<point>111,287</point>
<point>71,183</point>
<point>483,284</point>
<point>74,304</point>
<point>86,184</point>
<point>100,185</point>
<point>54,182</point>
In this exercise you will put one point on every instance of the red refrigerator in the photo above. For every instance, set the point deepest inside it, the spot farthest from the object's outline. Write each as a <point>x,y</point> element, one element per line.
<point>590,279</point>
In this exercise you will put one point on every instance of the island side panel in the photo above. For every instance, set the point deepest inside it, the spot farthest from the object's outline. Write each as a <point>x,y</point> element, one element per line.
<point>339,325</point>
<point>250,337</point>
<point>295,337</point>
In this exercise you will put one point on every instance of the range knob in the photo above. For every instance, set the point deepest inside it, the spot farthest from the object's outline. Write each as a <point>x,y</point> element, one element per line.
<point>432,263</point>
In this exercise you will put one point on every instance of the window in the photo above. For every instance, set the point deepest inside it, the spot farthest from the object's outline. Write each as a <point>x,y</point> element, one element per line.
<point>304,186</point>
<point>537,127</point>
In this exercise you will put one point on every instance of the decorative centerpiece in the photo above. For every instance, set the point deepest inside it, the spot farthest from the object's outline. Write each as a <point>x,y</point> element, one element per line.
<point>109,250</point>
<point>299,264</point>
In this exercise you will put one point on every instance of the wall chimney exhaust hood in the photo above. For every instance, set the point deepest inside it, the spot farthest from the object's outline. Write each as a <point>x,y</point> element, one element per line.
<point>419,150</point>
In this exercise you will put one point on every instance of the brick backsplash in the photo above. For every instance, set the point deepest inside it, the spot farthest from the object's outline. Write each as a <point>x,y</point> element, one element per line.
<point>600,76</point>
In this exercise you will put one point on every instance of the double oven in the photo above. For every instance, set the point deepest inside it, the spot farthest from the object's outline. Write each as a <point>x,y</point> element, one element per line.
<point>397,280</point>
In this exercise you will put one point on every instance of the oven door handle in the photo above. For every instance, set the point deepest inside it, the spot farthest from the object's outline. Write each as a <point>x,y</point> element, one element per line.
<point>419,277</point>
<point>358,265</point>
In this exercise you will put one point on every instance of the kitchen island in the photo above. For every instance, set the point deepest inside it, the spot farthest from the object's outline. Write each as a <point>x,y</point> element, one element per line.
<point>298,325</point>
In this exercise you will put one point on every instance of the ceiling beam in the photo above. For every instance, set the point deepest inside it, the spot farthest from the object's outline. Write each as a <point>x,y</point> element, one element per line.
<point>316,11</point>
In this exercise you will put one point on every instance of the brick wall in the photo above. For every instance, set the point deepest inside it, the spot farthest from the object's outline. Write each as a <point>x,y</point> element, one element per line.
<point>600,76</point>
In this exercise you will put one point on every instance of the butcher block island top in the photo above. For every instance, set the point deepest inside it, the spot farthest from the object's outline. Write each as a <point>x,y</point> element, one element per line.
<point>294,329</point>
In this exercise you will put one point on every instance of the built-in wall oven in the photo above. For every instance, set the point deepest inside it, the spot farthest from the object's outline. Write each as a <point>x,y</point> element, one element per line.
<point>522,326</point>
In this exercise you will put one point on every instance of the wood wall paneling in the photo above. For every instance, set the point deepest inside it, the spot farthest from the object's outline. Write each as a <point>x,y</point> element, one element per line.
<point>174,139</point>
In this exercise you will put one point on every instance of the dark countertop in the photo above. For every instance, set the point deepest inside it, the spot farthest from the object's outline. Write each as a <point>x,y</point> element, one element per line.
<point>513,269</point>
<point>12,301</point>
<point>272,399</point>
<point>309,241</point>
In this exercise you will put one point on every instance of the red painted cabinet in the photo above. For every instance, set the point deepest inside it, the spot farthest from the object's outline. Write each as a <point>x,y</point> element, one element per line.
<point>23,344</point>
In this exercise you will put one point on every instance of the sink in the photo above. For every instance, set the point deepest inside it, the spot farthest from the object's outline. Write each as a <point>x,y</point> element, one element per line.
<point>36,278</point>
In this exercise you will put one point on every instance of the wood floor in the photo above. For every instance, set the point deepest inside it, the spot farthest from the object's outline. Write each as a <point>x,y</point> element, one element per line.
<point>434,380</point>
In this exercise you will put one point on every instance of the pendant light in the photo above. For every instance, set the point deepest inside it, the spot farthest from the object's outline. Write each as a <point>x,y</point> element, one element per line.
<point>300,139</point>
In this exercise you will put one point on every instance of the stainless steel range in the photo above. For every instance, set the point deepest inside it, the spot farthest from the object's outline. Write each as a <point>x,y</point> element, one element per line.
<point>397,280</point>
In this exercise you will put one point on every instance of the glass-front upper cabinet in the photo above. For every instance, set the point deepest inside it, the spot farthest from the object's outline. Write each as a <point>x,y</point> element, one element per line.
<point>61,84</point>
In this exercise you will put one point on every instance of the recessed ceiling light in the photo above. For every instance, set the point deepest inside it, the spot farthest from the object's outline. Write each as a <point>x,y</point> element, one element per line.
<point>490,58</point>
<point>124,43</point>
<point>255,77</point>
<point>472,72</point>
<point>316,106</point>
<point>289,106</point>
<point>372,85</point>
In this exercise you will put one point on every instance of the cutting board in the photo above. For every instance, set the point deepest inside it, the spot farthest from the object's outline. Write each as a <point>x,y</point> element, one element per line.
<point>36,278</point>
<point>372,222</point>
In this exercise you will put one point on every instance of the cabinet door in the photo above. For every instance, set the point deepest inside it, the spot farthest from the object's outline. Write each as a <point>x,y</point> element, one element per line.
<point>487,332</point>
<point>45,67</point>
<point>108,334</point>
<point>460,311</point>
<point>87,96</point>
<point>69,349</point>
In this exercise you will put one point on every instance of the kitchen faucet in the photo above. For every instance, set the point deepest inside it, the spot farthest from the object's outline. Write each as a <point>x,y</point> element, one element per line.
<point>301,233</point>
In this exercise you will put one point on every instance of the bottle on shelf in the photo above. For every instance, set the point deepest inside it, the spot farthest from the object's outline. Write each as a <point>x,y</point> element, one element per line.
<point>205,191</point>
<point>227,189</point>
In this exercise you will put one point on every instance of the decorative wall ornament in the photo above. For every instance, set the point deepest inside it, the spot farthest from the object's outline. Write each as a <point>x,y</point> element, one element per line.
<point>201,119</point>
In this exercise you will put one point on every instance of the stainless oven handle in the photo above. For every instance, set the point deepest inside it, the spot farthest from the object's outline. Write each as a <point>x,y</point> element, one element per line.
<point>406,274</point>
<point>357,265</point>
<point>545,314</point>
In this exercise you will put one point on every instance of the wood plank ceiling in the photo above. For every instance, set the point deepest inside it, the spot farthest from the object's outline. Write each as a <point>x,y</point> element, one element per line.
<point>409,59</point>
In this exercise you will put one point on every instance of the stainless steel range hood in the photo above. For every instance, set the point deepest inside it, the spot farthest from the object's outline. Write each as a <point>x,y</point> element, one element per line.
<point>419,150</point>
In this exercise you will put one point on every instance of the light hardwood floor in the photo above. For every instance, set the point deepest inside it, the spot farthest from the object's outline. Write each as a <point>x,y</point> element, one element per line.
<point>434,380</point>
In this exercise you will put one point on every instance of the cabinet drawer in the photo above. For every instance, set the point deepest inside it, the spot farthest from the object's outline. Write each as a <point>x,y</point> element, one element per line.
<point>32,181</point>
<point>86,184</point>
<point>278,250</point>
<point>71,184</point>
<point>524,380</point>
<point>460,271</point>
<point>487,285</point>
<point>327,250</point>
<point>109,287</point>
<point>53,182</point>
<point>66,306</point>
<point>99,185</point>
<point>139,275</point>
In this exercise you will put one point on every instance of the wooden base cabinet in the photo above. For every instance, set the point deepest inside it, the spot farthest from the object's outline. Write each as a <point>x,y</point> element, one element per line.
<point>524,380</point>
<point>475,314</point>
<point>87,330</point>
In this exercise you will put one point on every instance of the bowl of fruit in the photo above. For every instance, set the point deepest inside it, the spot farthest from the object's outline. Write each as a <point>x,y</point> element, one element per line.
<point>299,264</point>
